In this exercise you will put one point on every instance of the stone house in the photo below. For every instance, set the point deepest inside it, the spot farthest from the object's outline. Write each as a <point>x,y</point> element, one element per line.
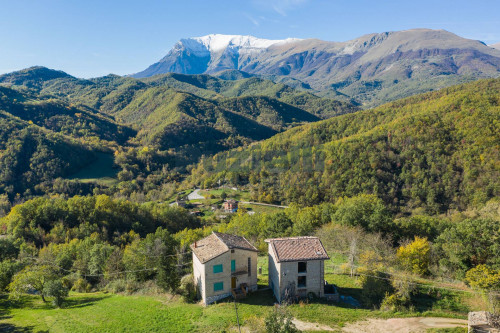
<point>223,265</point>
<point>230,206</point>
<point>296,267</point>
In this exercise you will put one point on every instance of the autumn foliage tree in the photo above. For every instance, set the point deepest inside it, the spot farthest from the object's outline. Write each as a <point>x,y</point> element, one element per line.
<point>487,280</point>
<point>415,257</point>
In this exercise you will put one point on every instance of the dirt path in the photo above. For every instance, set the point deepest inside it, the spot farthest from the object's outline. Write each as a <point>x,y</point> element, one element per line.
<point>195,195</point>
<point>402,325</point>
<point>305,326</point>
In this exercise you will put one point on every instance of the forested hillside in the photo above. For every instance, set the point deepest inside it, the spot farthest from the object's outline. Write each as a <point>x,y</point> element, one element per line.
<point>153,128</point>
<point>437,151</point>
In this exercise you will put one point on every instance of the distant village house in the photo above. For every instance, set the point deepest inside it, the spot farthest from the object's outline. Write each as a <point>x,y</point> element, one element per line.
<point>296,267</point>
<point>230,206</point>
<point>224,265</point>
<point>178,203</point>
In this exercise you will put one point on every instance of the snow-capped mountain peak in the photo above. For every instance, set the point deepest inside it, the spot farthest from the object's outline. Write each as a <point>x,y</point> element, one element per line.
<point>218,42</point>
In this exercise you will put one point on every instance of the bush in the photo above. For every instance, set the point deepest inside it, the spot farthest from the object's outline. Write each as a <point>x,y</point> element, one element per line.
<point>116,286</point>
<point>188,289</point>
<point>416,256</point>
<point>7,270</point>
<point>81,286</point>
<point>280,321</point>
<point>55,289</point>
<point>393,302</point>
<point>375,285</point>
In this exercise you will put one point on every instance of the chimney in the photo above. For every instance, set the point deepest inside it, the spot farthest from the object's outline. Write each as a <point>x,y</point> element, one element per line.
<point>195,245</point>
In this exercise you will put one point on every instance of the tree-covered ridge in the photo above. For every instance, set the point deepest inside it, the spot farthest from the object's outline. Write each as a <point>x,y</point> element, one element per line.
<point>154,128</point>
<point>32,157</point>
<point>58,116</point>
<point>437,150</point>
<point>181,112</point>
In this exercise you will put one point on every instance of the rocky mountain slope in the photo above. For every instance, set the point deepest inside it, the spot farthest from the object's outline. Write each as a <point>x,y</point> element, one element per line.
<point>371,69</point>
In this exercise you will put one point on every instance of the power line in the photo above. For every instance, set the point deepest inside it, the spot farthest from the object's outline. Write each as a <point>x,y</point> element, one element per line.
<point>493,292</point>
<point>38,260</point>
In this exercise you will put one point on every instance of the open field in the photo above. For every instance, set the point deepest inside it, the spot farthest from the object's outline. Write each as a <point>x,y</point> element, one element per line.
<point>102,312</point>
<point>99,312</point>
<point>101,170</point>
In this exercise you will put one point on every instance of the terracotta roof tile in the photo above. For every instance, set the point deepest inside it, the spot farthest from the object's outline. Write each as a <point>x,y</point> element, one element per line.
<point>235,242</point>
<point>218,243</point>
<point>298,248</point>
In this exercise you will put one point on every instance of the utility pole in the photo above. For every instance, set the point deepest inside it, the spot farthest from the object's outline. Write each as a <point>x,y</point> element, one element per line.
<point>237,317</point>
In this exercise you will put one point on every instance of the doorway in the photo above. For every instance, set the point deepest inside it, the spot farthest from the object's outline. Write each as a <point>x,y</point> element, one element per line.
<point>233,282</point>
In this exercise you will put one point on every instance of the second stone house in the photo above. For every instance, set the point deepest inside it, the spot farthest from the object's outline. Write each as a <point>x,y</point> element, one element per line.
<point>224,265</point>
<point>296,267</point>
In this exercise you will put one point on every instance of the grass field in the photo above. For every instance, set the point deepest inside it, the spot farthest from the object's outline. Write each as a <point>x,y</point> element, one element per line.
<point>101,312</point>
<point>101,170</point>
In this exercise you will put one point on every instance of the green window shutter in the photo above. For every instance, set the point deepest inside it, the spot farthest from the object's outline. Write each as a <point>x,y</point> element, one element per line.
<point>218,268</point>
<point>233,265</point>
<point>218,286</point>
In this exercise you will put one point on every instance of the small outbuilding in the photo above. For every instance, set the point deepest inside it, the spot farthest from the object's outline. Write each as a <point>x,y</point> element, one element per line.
<point>224,265</point>
<point>296,267</point>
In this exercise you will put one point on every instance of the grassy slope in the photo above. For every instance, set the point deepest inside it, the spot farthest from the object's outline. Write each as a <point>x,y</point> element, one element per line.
<point>119,313</point>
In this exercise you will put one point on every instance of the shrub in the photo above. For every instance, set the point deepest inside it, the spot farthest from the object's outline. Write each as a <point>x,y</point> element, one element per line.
<point>57,291</point>
<point>415,257</point>
<point>81,286</point>
<point>187,288</point>
<point>280,321</point>
<point>116,286</point>
<point>7,270</point>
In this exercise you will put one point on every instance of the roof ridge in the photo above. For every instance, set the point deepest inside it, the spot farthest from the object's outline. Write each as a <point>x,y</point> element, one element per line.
<point>253,248</point>
<point>289,238</point>
<point>220,239</point>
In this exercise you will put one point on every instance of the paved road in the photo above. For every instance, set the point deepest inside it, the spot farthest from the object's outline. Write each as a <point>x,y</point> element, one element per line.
<point>195,195</point>
<point>262,204</point>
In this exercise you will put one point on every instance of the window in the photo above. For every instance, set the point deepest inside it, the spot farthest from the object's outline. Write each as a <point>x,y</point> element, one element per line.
<point>301,282</point>
<point>232,251</point>
<point>218,268</point>
<point>302,266</point>
<point>218,286</point>
<point>233,265</point>
<point>249,266</point>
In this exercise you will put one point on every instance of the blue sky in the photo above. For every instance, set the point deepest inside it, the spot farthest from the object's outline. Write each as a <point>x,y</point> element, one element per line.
<point>89,38</point>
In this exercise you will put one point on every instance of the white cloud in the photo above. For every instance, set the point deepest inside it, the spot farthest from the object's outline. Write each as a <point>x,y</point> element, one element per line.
<point>253,20</point>
<point>282,7</point>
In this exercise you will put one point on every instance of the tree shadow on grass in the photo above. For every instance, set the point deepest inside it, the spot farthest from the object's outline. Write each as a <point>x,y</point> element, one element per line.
<point>429,300</point>
<point>5,304</point>
<point>82,302</point>
<point>5,327</point>
<point>261,297</point>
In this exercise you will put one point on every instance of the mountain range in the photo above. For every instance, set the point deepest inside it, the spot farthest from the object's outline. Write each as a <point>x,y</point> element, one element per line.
<point>371,69</point>
<point>147,133</point>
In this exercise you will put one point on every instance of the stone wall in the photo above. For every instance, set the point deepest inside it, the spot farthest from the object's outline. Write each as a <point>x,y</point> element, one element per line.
<point>199,277</point>
<point>212,299</point>
<point>314,278</point>
<point>274,274</point>
<point>483,321</point>
<point>241,260</point>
